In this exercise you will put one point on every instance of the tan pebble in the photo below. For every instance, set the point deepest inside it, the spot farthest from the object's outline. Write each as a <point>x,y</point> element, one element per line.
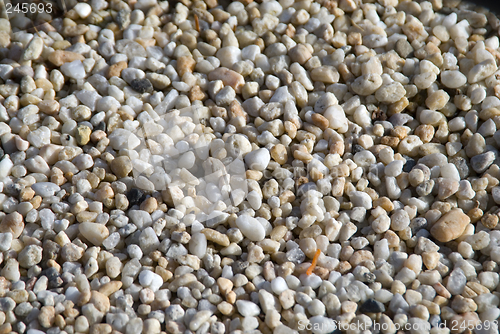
<point>197,94</point>
<point>35,201</point>
<point>225,308</point>
<point>430,259</point>
<point>5,328</point>
<point>26,194</point>
<point>425,132</point>
<point>478,288</point>
<point>13,223</point>
<point>93,232</point>
<point>104,192</point>
<point>450,226</point>
<point>185,64</point>
<point>149,205</point>
<point>320,121</point>
<point>399,132</point>
<point>360,256</point>
<point>228,77</point>
<point>46,316</point>
<point>110,288</point>
<point>100,301</point>
<point>82,135</point>
<point>225,285</point>
<point>300,54</point>
<point>489,221</point>
<point>441,290</point>
<point>116,69</point>
<point>385,203</point>
<point>49,107</point>
<point>121,166</point>
<point>279,154</point>
<point>390,141</point>
<point>216,237</point>
<point>60,57</point>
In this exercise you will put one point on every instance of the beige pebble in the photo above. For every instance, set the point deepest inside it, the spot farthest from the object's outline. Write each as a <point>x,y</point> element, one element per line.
<point>121,166</point>
<point>228,77</point>
<point>60,57</point>
<point>450,226</point>
<point>13,223</point>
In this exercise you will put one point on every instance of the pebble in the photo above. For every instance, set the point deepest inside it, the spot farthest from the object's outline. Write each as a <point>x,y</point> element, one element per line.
<point>93,232</point>
<point>258,159</point>
<point>450,226</point>
<point>121,167</point>
<point>251,228</point>
<point>141,85</point>
<point>74,69</point>
<point>453,79</point>
<point>247,308</point>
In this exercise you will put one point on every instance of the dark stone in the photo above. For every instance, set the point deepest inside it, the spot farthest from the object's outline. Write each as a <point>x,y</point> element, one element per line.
<point>22,71</point>
<point>123,18</point>
<point>372,306</point>
<point>239,266</point>
<point>141,85</point>
<point>135,197</point>
<point>403,48</point>
<point>357,148</point>
<point>50,250</point>
<point>425,188</point>
<point>100,126</point>
<point>462,167</point>
<point>55,280</point>
<point>370,277</point>
<point>417,224</point>
<point>481,162</point>
<point>410,163</point>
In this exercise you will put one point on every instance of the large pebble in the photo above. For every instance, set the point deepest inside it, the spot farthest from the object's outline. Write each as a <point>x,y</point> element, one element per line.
<point>453,79</point>
<point>367,84</point>
<point>251,228</point>
<point>228,77</point>
<point>247,308</point>
<point>93,232</point>
<point>258,159</point>
<point>13,223</point>
<point>451,226</point>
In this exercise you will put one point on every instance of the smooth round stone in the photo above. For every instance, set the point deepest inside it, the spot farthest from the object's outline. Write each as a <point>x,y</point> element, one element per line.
<point>251,228</point>
<point>198,245</point>
<point>453,79</point>
<point>93,232</point>
<point>247,308</point>
<point>228,56</point>
<point>45,189</point>
<point>278,285</point>
<point>83,9</point>
<point>336,117</point>
<point>258,159</point>
<point>30,256</point>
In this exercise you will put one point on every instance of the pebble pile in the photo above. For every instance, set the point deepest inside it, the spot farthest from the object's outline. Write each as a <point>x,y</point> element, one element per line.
<point>274,167</point>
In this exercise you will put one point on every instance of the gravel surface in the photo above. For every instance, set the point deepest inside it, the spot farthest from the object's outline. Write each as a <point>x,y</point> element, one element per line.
<point>271,167</point>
